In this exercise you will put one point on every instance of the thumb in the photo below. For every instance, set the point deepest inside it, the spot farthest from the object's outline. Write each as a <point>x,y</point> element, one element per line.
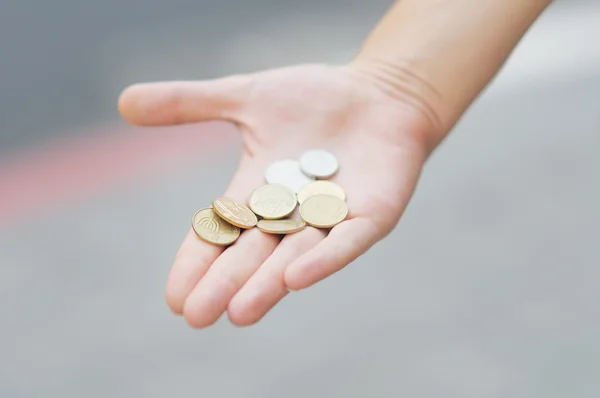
<point>178,102</point>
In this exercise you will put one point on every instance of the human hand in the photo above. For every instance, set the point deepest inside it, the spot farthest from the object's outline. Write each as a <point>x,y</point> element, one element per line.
<point>379,137</point>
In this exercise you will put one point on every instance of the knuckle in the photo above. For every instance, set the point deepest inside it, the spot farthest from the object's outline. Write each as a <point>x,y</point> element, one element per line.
<point>227,281</point>
<point>241,87</point>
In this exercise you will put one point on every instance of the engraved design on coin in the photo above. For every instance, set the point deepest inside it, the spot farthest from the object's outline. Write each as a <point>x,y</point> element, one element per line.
<point>273,201</point>
<point>234,213</point>
<point>287,172</point>
<point>318,163</point>
<point>272,206</point>
<point>209,224</point>
<point>211,228</point>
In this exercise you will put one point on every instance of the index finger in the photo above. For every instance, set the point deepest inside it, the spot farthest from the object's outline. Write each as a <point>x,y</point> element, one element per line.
<point>195,256</point>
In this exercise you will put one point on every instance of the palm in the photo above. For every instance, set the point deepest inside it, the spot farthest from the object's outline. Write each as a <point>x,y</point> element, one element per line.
<point>280,113</point>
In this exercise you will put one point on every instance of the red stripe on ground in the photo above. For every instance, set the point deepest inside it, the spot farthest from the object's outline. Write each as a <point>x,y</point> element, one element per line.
<point>79,167</point>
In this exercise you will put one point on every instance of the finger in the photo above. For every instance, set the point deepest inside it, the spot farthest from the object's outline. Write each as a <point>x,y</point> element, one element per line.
<point>167,103</point>
<point>191,262</point>
<point>344,244</point>
<point>196,256</point>
<point>209,299</point>
<point>266,287</point>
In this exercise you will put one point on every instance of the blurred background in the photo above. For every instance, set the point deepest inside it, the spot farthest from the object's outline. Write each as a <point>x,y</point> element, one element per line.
<point>489,287</point>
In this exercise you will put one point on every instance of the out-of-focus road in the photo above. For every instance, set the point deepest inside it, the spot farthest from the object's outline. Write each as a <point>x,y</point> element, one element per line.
<point>487,288</point>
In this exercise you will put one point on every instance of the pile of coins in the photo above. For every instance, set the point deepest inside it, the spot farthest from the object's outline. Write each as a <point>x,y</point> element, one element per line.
<point>322,203</point>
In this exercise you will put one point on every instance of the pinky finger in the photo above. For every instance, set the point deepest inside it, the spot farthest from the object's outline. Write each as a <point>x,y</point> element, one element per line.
<point>343,245</point>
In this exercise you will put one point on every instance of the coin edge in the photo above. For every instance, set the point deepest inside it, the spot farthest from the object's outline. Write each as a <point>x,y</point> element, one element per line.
<point>319,177</point>
<point>282,233</point>
<point>233,223</point>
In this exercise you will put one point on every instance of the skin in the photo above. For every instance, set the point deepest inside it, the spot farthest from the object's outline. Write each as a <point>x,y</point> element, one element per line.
<point>382,114</point>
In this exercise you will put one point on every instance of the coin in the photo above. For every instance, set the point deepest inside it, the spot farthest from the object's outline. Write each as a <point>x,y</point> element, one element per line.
<point>320,187</point>
<point>282,227</point>
<point>287,172</point>
<point>213,229</point>
<point>318,163</point>
<point>273,201</point>
<point>323,211</point>
<point>234,213</point>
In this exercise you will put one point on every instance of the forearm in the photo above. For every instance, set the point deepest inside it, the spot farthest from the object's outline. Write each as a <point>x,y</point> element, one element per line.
<point>440,54</point>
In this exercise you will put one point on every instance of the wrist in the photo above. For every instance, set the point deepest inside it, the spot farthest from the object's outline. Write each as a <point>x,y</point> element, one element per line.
<point>416,102</point>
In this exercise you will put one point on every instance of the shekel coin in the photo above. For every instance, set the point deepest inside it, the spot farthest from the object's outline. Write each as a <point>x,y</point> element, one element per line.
<point>321,188</point>
<point>234,213</point>
<point>281,227</point>
<point>213,229</point>
<point>287,172</point>
<point>273,201</point>
<point>323,211</point>
<point>318,163</point>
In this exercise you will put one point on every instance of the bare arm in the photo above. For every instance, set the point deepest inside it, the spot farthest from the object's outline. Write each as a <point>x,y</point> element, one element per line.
<point>440,54</point>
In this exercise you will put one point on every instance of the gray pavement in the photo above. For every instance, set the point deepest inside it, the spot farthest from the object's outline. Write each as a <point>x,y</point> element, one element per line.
<point>487,288</point>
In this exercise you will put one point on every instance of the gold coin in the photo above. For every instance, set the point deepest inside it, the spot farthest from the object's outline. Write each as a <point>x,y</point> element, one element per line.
<point>213,229</point>
<point>323,211</point>
<point>273,201</point>
<point>285,226</point>
<point>234,213</point>
<point>320,187</point>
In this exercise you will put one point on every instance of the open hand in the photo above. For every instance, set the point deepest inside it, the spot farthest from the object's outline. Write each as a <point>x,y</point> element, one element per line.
<point>377,135</point>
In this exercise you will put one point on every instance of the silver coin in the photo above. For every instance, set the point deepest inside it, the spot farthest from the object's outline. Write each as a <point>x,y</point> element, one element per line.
<point>318,163</point>
<point>287,172</point>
